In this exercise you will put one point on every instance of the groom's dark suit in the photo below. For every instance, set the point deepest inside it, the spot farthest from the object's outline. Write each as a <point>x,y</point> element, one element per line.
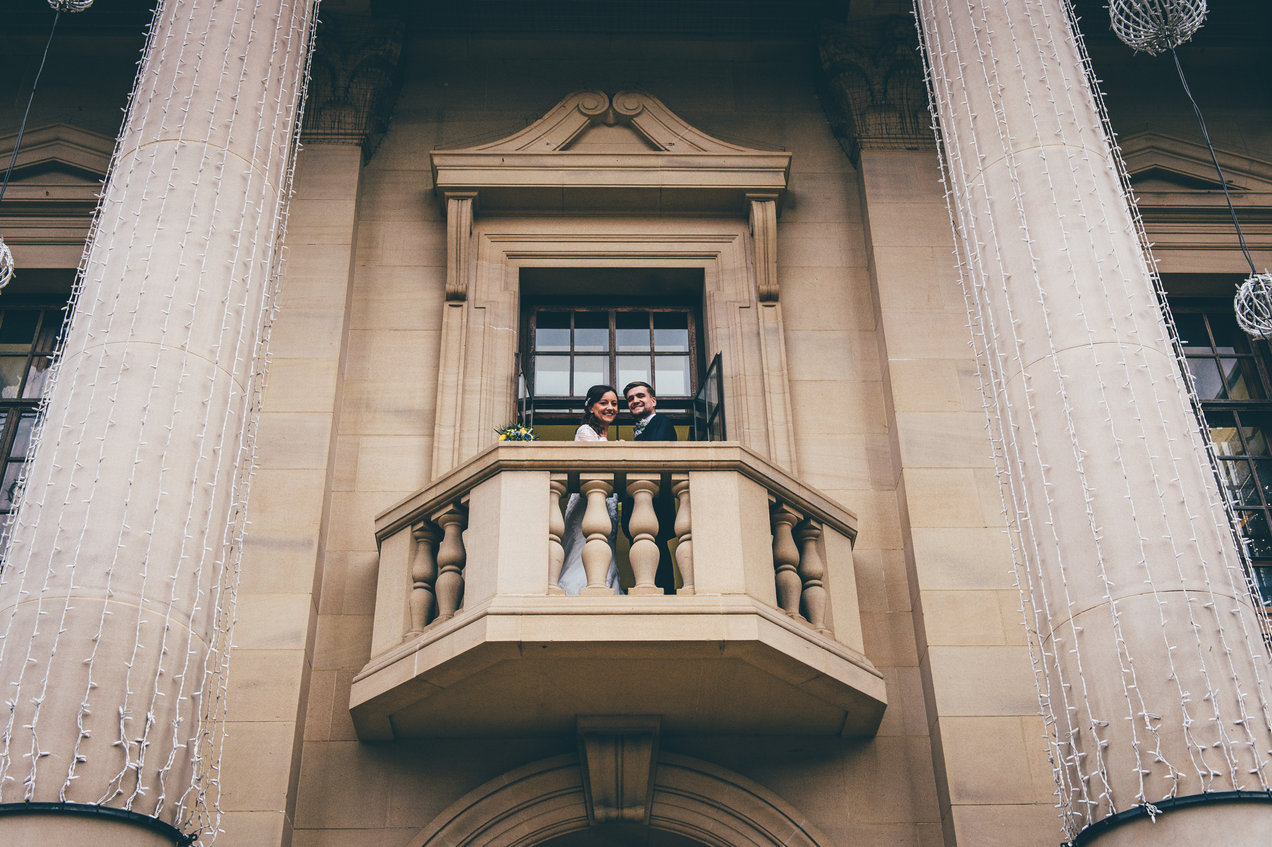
<point>659,428</point>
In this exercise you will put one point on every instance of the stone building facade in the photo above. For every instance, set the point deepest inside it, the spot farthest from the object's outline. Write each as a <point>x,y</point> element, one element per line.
<point>847,660</point>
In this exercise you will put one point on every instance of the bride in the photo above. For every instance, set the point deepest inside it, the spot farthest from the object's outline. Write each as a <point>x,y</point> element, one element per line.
<point>600,407</point>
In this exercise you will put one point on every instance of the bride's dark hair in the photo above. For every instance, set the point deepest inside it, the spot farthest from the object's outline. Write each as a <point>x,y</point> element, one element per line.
<point>596,392</point>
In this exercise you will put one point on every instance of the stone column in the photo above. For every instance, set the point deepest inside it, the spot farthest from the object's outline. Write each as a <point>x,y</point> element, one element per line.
<point>118,577</point>
<point>1148,648</point>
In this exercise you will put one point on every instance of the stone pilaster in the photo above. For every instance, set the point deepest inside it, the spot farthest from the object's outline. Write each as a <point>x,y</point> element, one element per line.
<point>1150,659</point>
<point>117,579</point>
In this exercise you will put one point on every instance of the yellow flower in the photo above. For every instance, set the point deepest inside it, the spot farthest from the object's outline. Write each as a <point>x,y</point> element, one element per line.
<point>503,436</point>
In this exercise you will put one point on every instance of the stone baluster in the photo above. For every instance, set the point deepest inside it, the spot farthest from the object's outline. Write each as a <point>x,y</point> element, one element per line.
<point>596,531</point>
<point>684,532</point>
<point>786,559</point>
<point>812,573</point>
<point>642,488</point>
<point>556,528</point>
<point>450,560</point>
<point>423,576</point>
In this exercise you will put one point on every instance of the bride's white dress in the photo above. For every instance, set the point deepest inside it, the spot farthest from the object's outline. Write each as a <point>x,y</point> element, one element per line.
<point>573,577</point>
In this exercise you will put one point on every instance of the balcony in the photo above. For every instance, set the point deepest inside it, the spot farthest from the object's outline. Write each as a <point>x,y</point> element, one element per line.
<point>472,637</point>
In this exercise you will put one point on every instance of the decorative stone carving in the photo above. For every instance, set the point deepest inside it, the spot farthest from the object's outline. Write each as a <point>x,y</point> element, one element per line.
<point>459,232</point>
<point>874,94</point>
<point>628,150</point>
<point>354,81</point>
<point>617,755</point>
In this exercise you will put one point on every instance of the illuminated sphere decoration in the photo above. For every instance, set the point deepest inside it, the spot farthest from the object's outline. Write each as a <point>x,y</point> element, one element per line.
<point>70,6</point>
<point>1156,26</point>
<point>1254,306</point>
<point>6,264</point>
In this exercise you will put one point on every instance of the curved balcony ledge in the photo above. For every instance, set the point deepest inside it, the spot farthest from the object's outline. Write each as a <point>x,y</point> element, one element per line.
<point>764,637</point>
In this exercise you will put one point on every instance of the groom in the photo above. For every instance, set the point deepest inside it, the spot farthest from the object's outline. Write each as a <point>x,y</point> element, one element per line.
<point>651,426</point>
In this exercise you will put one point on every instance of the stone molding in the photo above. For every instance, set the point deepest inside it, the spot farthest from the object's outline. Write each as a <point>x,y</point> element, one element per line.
<point>874,91</point>
<point>354,81</point>
<point>699,800</point>
<point>568,161</point>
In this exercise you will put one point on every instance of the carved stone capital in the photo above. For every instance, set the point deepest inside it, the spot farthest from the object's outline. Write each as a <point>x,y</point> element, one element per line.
<point>354,81</point>
<point>874,92</point>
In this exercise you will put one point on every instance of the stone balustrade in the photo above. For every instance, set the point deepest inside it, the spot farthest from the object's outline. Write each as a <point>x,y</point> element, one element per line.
<point>469,566</point>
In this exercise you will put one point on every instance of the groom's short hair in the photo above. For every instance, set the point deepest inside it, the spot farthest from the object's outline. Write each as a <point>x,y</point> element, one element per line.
<point>629,386</point>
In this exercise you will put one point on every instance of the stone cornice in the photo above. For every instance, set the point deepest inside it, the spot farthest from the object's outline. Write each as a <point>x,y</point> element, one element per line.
<point>654,162</point>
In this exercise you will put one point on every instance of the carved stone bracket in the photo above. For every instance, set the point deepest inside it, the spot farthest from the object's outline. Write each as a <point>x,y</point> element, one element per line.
<point>617,757</point>
<point>874,93</point>
<point>764,237</point>
<point>459,239</point>
<point>354,81</point>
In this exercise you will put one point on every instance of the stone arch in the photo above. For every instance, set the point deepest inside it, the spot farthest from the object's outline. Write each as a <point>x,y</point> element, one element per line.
<point>692,798</point>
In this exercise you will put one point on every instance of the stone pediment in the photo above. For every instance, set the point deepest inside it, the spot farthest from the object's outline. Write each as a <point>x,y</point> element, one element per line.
<point>1163,164</point>
<point>593,152</point>
<point>57,162</point>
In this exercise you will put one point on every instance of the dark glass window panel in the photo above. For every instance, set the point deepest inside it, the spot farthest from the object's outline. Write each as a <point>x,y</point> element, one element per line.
<point>631,332</point>
<point>552,332</point>
<point>632,369</point>
<point>1241,482</point>
<point>1205,374</point>
<point>671,332</point>
<point>551,376</point>
<point>591,332</point>
<point>589,371</point>
<point>1254,533</point>
<point>17,329</point>
<point>1254,430</point>
<point>1228,336</point>
<point>1263,469</point>
<point>671,376</point>
<point>1263,582</point>
<point>1241,380</point>
<point>1192,331</point>
<point>9,485</point>
<point>36,377</point>
<point>22,438</point>
<point>12,369</point>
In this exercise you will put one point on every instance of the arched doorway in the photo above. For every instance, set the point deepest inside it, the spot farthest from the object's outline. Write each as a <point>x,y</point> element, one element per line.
<point>694,803</point>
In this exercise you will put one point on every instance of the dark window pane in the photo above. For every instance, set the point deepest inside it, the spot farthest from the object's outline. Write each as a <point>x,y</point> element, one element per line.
<point>1228,336</point>
<point>1263,582</point>
<point>17,329</point>
<point>9,485</point>
<point>1240,482</point>
<point>591,332</point>
<point>1255,429</point>
<point>671,332</point>
<point>552,332</point>
<point>1205,374</point>
<point>1263,468</point>
<point>1242,382</point>
<point>11,370</point>
<point>22,438</point>
<point>631,333</point>
<point>1254,533</point>
<point>36,376</point>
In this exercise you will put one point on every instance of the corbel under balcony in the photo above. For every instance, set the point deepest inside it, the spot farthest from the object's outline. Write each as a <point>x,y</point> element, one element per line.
<point>470,639</point>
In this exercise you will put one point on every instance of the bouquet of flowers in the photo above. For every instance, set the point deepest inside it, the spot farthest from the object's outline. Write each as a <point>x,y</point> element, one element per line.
<point>516,432</point>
